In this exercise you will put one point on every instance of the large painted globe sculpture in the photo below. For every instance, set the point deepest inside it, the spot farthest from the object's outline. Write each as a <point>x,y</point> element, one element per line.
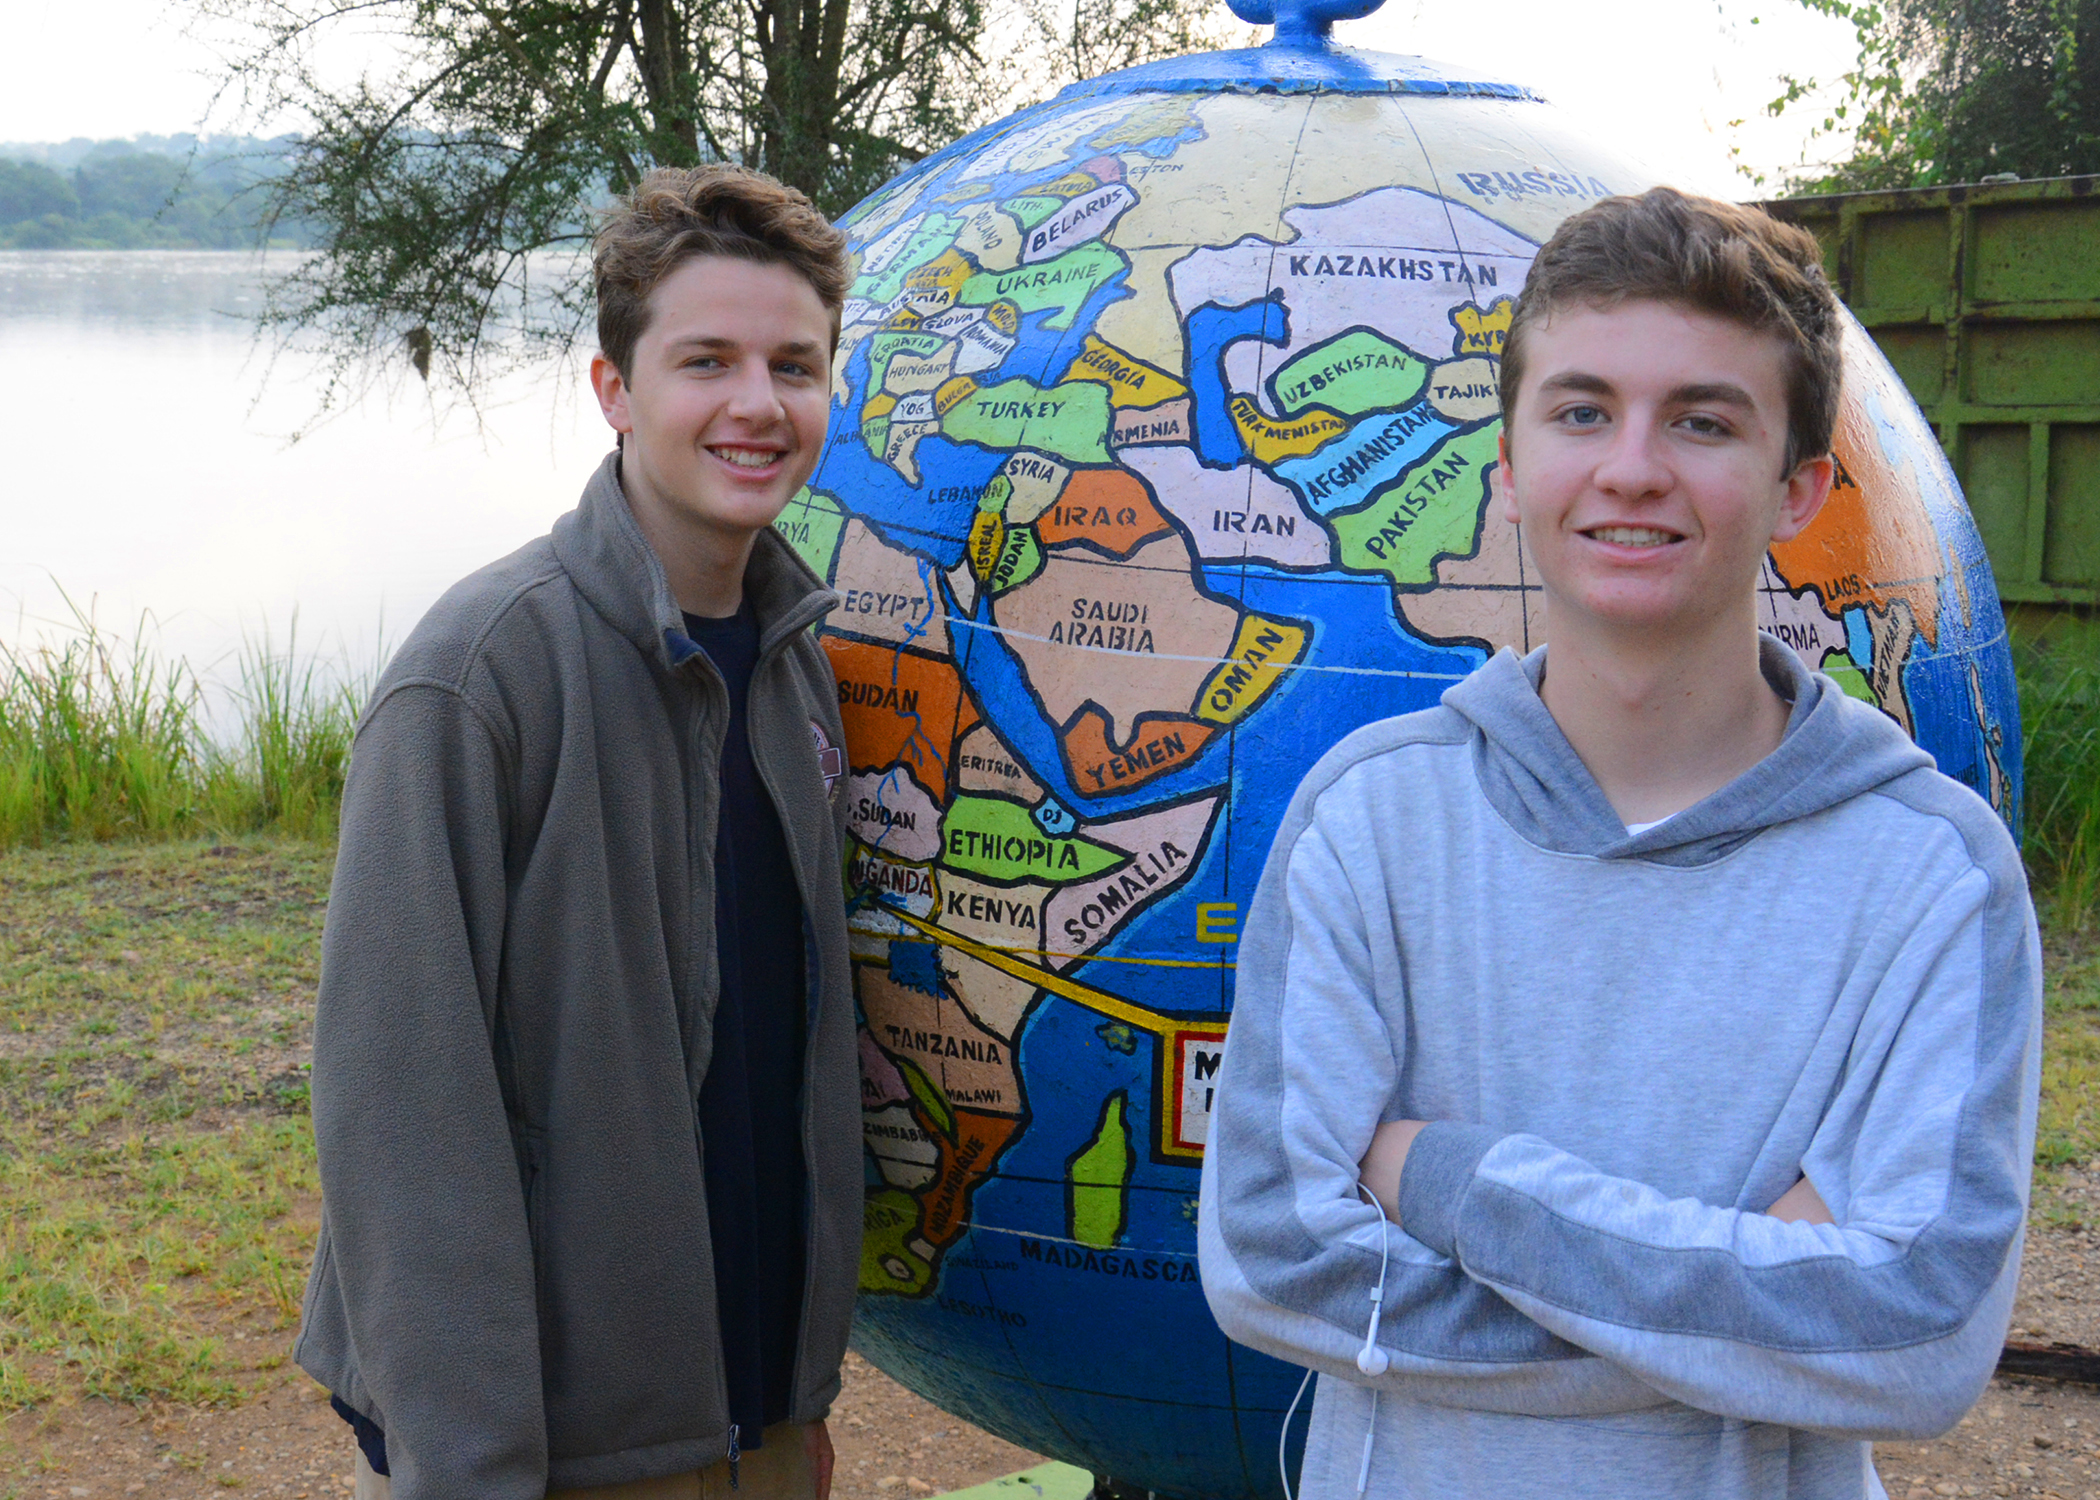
<point>1158,462</point>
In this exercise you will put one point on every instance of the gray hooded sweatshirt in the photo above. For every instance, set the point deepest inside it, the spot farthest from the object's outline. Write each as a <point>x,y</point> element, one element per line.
<point>1631,1045</point>
<point>518,983</point>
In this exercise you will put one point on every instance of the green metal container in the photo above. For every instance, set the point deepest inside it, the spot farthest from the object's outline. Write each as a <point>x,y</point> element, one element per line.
<point>1986,299</point>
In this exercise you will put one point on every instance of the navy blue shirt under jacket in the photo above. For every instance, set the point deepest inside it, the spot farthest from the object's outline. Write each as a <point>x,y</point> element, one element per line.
<point>751,1101</point>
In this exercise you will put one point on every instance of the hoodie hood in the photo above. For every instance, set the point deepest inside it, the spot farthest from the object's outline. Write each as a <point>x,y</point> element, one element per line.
<point>1834,748</point>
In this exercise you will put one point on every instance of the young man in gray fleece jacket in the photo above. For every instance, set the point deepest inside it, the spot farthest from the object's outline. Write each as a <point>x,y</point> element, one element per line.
<point>1650,1024</point>
<point>585,1088</point>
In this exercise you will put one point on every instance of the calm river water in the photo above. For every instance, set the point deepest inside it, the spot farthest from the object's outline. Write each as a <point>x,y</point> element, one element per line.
<point>149,467</point>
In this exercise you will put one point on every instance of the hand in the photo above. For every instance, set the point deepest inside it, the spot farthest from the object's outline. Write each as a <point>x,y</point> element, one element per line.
<point>816,1442</point>
<point>1802,1204</point>
<point>1380,1169</point>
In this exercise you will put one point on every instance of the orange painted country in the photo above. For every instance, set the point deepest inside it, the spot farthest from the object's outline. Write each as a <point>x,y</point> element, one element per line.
<point>1161,743</point>
<point>899,707</point>
<point>965,1162</point>
<point>1850,558</point>
<point>1106,507</point>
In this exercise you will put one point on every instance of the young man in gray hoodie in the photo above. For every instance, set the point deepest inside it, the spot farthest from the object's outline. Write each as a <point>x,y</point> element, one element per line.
<point>1632,1078</point>
<point>584,1085</point>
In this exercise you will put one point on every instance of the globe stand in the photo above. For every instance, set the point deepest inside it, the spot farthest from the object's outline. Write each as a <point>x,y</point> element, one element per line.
<point>1106,1488</point>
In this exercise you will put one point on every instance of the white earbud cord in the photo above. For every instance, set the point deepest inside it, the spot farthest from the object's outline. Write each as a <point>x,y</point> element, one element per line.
<point>1370,1359</point>
<point>1283,1438</point>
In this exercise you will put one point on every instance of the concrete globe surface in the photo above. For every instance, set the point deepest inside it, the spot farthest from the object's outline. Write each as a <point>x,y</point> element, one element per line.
<point>1158,462</point>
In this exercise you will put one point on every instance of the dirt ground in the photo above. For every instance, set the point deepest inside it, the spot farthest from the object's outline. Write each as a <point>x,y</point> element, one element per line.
<point>2026,1437</point>
<point>286,1442</point>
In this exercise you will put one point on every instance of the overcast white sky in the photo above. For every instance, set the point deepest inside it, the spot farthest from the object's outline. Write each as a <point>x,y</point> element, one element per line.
<point>1658,78</point>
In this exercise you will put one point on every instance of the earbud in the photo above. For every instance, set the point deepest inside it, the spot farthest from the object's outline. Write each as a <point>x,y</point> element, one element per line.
<point>1371,1359</point>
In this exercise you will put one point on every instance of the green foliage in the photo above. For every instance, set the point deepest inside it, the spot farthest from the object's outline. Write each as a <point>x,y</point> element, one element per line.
<point>2059,675</point>
<point>439,189</point>
<point>1947,91</point>
<point>100,739</point>
<point>31,191</point>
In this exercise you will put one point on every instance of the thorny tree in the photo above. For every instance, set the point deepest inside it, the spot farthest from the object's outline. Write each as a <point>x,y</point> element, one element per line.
<point>440,184</point>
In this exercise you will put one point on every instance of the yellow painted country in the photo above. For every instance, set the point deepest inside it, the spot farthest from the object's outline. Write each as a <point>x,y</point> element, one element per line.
<point>987,541</point>
<point>1483,332</point>
<point>946,270</point>
<point>1071,185</point>
<point>1130,381</point>
<point>1260,652</point>
<point>1272,441</point>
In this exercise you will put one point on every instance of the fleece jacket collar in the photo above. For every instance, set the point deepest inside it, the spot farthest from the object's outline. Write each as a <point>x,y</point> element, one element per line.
<point>1834,748</point>
<point>614,567</point>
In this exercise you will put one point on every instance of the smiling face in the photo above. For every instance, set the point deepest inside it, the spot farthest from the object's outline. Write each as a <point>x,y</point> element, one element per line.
<point>724,404</point>
<point>1644,459</point>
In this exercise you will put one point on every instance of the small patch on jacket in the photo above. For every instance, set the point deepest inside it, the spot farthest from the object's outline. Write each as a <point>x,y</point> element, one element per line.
<point>831,760</point>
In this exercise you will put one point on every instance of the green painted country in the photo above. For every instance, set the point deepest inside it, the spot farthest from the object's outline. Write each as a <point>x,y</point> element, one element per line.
<point>935,233</point>
<point>995,838</point>
<point>1070,420</point>
<point>1097,1191</point>
<point>1031,209</point>
<point>883,347</point>
<point>1020,559</point>
<point>1432,510</point>
<point>888,1263</point>
<point>811,524</point>
<point>1352,373</point>
<point>1064,282</point>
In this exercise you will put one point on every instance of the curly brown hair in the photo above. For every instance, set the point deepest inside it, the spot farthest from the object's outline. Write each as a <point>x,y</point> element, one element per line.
<point>1721,258</point>
<point>673,216</point>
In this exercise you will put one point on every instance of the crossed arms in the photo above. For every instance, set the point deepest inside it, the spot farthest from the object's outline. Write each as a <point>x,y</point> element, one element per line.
<point>1523,1278</point>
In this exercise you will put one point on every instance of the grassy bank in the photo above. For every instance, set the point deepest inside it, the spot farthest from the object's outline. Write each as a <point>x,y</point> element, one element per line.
<point>103,737</point>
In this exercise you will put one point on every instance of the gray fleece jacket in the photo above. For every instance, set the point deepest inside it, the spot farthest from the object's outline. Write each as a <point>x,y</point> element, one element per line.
<point>518,982</point>
<point>1632,1045</point>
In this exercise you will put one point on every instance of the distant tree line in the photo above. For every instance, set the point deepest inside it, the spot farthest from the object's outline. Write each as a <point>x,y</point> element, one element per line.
<point>158,193</point>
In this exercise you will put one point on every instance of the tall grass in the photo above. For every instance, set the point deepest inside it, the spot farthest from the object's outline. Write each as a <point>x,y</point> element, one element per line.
<point>105,738</point>
<point>2059,673</point>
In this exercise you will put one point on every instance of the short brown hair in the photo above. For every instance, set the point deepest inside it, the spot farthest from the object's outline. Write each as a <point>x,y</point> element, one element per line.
<point>673,216</point>
<point>1721,258</point>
